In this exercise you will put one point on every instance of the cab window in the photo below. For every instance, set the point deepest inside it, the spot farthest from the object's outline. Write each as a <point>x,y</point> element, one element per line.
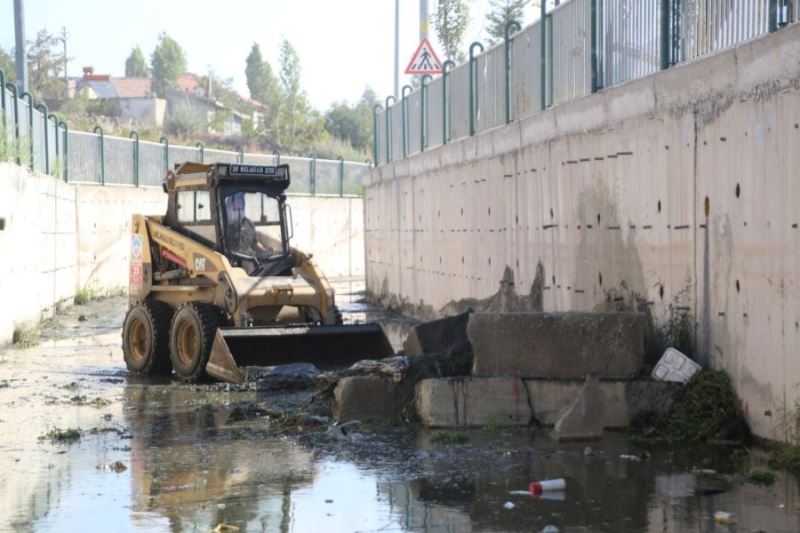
<point>194,212</point>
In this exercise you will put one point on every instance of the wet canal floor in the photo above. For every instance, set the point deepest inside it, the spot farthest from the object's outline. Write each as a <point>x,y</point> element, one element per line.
<point>163,456</point>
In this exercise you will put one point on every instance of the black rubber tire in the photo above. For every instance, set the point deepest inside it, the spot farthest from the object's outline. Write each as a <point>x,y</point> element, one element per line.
<point>151,319</point>
<point>189,355</point>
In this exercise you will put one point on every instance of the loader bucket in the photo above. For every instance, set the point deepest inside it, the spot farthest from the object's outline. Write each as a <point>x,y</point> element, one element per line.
<point>324,346</point>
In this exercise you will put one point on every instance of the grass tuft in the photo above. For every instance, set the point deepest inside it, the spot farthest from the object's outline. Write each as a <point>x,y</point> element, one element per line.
<point>449,437</point>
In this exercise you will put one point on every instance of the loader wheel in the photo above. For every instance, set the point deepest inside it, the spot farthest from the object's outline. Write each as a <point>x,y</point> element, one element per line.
<point>145,338</point>
<point>190,338</point>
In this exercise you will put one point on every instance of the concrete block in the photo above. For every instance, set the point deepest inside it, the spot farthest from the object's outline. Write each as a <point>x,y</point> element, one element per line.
<point>438,336</point>
<point>622,399</point>
<point>370,398</point>
<point>557,345</point>
<point>583,420</point>
<point>472,401</point>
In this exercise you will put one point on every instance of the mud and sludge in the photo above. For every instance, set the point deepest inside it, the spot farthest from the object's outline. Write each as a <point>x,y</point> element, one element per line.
<point>86,446</point>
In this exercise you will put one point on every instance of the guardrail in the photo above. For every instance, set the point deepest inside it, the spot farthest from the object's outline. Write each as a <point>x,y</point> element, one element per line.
<point>41,141</point>
<point>576,48</point>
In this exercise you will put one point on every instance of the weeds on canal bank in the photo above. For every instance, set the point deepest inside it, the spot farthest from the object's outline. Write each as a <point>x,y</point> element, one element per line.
<point>449,437</point>
<point>25,336</point>
<point>62,436</point>
<point>706,410</point>
<point>765,478</point>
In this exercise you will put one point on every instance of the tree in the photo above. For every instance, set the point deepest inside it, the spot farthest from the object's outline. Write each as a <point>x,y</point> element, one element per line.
<point>136,65</point>
<point>353,123</point>
<point>502,12</point>
<point>8,65</point>
<point>451,21</point>
<point>264,87</point>
<point>296,105</point>
<point>167,62</point>
<point>45,65</point>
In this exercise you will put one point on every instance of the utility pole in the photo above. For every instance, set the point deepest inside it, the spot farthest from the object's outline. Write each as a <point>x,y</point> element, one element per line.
<point>21,60</point>
<point>397,48</point>
<point>63,39</point>
<point>423,19</point>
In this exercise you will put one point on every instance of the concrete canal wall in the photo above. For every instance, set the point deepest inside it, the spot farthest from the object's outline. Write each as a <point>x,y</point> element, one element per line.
<point>677,195</point>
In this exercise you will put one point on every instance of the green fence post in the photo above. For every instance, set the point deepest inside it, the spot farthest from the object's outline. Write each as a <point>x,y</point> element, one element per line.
<point>165,142</point>
<point>543,56</point>
<point>389,128</point>
<point>665,33</point>
<point>13,88</point>
<point>202,149</point>
<point>29,97</point>
<point>55,119</point>
<point>3,102</point>
<point>512,25</point>
<point>42,108</point>
<point>404,111</point>
<point>375,109</point>
<point>312,173</point>
<point>135,136</point>
<point>66,149</point>
<point>277,155</point>
<point>473,87</point>
<point>241,155</point>
<point>445,102</point>
<point>98,129</point>
<point>341,175</point>
<point>423,110</point>
<point>593,47</point>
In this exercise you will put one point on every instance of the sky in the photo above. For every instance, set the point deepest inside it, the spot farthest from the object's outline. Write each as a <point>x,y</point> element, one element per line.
<point>344,45</point>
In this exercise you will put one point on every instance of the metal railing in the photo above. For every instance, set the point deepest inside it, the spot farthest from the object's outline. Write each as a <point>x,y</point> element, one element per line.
<point>39,140</point>
<point>577,47</point>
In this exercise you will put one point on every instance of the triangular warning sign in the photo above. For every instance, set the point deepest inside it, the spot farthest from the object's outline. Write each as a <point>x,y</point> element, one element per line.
<point>424,60</point>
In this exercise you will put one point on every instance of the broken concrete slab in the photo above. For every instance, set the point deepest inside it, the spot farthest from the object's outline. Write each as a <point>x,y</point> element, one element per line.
<point>622,399</point>
<point>557,345</point>
<point>438,336</point>
<point>472,401</point>
<point>583,419</point>
<point>371,398</point>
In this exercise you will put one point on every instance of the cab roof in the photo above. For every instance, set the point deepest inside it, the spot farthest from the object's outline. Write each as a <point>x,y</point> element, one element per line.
<point>200,175</point>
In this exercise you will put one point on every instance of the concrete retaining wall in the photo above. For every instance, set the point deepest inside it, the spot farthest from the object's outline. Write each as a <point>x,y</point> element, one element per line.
<point>676,194</point>
<point>57,238</point>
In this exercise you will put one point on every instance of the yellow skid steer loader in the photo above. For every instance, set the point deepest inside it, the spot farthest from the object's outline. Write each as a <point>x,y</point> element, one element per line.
<point>215,286</point>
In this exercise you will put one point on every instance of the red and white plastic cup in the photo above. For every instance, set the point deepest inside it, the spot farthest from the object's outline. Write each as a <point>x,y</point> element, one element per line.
<point>548,485</point>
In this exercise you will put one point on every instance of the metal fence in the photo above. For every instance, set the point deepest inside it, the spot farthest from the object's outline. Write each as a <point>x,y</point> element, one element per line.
<point>576,48</point>
<point>35,138</point>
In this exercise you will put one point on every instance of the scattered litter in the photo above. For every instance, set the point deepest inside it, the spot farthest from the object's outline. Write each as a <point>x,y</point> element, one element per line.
<point>508,505</point>
<point>116,466</point>
<point>225,528</point>
<point>721,517</point>
<point>520,493</point>
<point>82,318</point>
<point>781,506</point>
<point>329,501</point>
<point>550,529</point>
<point>631,458</point>
<point>588,451</point>
<point>548,485</point>
<point>221,506</point>
<point>675,366</point>
<point>343,431</point>
<point>704,472</point>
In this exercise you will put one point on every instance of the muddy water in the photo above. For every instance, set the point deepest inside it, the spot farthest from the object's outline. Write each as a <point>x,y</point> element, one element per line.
<point>198,456</point>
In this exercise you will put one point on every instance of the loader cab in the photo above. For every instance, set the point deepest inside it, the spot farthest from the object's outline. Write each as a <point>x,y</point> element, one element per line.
<point>239,210</point>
